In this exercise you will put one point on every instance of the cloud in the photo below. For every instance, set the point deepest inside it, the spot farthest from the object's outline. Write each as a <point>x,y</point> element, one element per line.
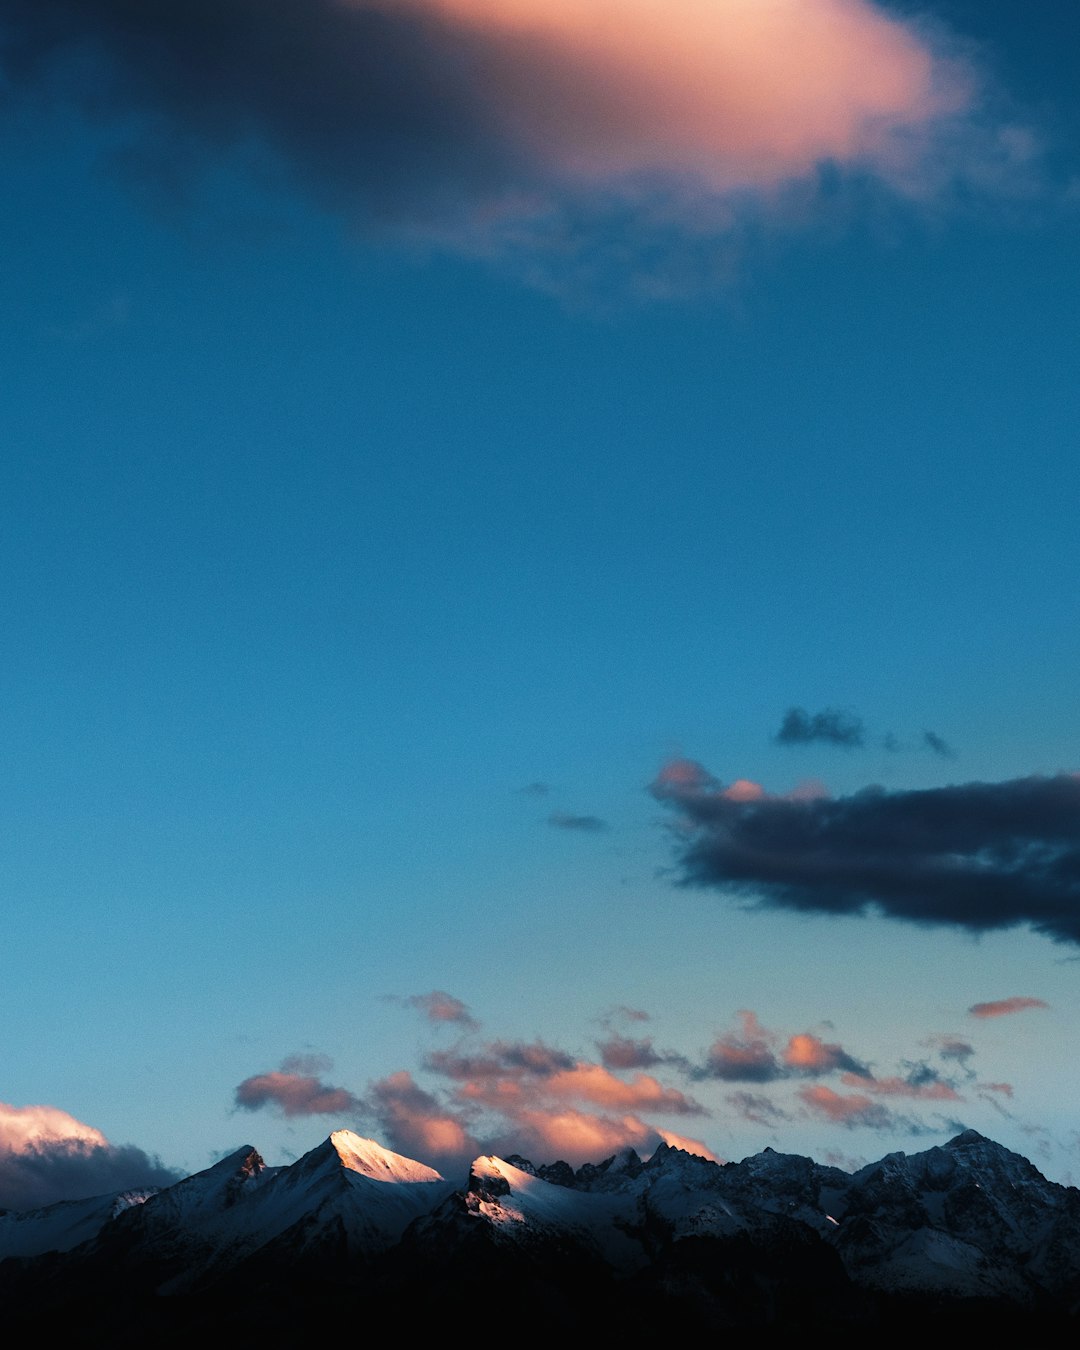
<point>46,1155</point>
<point>528,1096</point>
<point>809,1054</point>
<point>927,1087</point>
<point>534,790</point>
<point>499,1059</point>
<point>951,1047</point>
<point>625,1014</point>
<point>586,824</point>
<point>1003,1007</point>
<point>831,726</point>
<point>1005,1089</point>
<point>624,1052</point>
<point>934,742</point>
<point>750,1055</point>
<point>853,1110</point>
<point>758,1109</point>
<point>296,1091</point>
<point>978,856</point>
<point>480,114</point>
<point>744,1057</point>
<point>440,1007</point>
<point>594,1084</point>
<point>416,1123</point>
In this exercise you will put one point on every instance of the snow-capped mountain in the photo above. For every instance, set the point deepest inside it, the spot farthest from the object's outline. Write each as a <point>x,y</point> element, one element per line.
<point>772,1239</point>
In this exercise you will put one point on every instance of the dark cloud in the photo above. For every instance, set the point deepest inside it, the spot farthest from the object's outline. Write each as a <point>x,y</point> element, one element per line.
<point>497,1059</point>
<point>373,108</point>
<point>743,1057</point>
<point>953,1048</point>
<point>979,856</point>
<point>627,1014</point>
<point>757,1108</point>
<point>586,824</point>
<point>1005,1007</point>
<point>296,1091</point>
<point>752,1055</point>
<point>624,1052</point>
<point>941,747</point>
<point>830,725</point>
<point>73,1169</point>
<point>440,1007</point>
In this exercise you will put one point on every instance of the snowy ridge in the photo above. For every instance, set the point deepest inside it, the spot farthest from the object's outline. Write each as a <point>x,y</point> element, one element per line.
<point>967,1220</point>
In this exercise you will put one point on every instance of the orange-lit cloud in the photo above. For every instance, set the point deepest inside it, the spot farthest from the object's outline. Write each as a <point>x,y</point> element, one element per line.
<point>416,1123</point>
<point>595,1084</point>
<point>746,1057</point>
<point>580,1136</point>
<point>750,1056</point>
<point>810,1054</point>
<point>1002,1007</point>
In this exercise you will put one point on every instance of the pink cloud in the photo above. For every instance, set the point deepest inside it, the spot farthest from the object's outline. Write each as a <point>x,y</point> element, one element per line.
<point>294,1094</point>
<point>933,1090</point>
<point>851,1110</point>
<point>1002,1007</point>
<point>594,1084</point>
<point>809,1054</point>
<point>732,93</point>
<point>417,1123</point>
<point>623,1052</point>
<point>1005,1089</point>
<point>746,1057</point>
<point>438,1006</point>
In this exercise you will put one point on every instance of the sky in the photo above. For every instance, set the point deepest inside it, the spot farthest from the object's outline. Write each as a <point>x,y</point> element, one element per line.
<point>539,580</point>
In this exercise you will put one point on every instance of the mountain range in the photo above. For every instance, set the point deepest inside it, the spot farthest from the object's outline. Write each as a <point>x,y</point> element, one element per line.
<point>967,1233</point>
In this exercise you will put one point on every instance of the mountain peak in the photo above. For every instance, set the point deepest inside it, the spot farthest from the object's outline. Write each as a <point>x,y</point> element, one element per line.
<point>370,1159</point>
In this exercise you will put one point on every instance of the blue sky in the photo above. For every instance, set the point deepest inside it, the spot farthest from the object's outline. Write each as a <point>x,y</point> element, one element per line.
<point>388,496</point>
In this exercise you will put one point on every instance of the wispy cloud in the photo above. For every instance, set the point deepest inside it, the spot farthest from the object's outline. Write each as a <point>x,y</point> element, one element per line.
<point>757,1108</point>
<point>440,1007</point>
<point>830,726</point>
<point>562,820</point>
<point>951,1047</point>
<point>978,856</point>
<point>938,745</point>
<point>1005,1007</point>
<point>626,1052</point>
